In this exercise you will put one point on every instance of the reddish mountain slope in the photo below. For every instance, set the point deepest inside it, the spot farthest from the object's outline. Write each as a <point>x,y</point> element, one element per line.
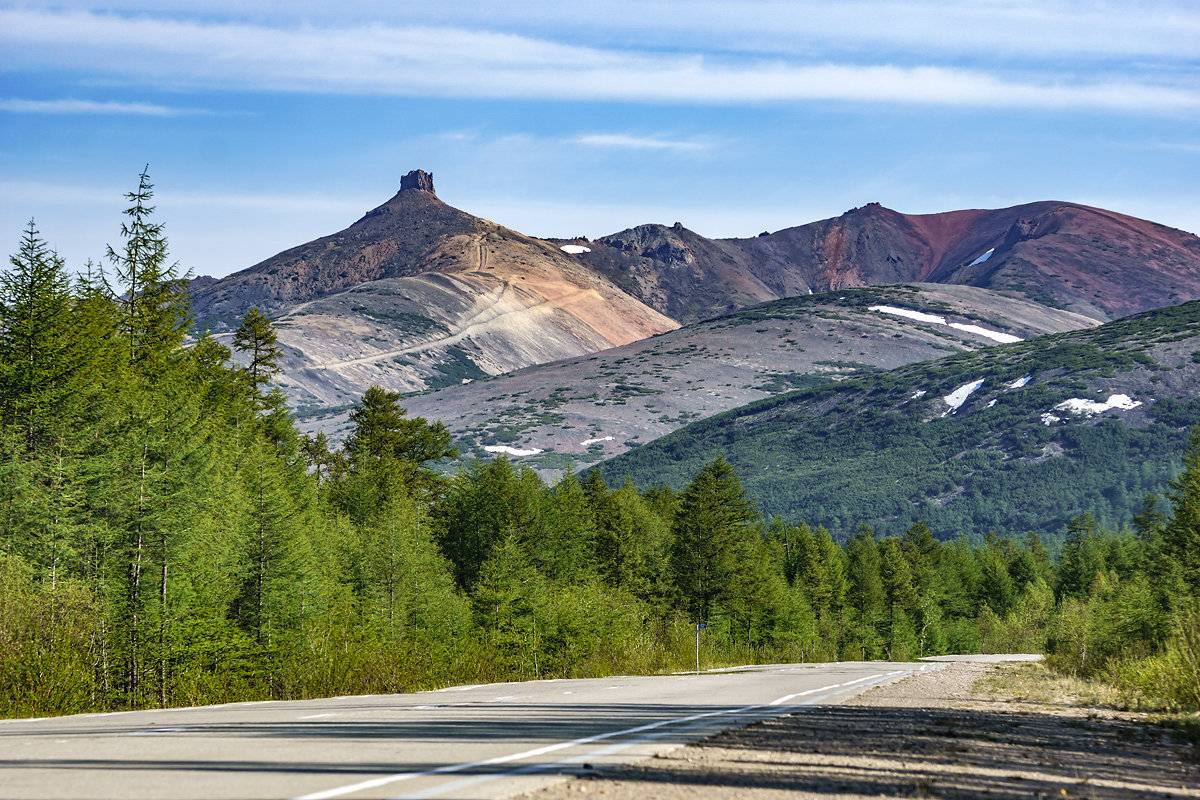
<point>1084,259</point>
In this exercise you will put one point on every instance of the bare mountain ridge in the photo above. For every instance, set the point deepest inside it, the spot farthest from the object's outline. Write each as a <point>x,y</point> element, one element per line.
<point>581,409</point>
<point>1088,260</point>
<point>417,294</point>
<point>392,240</point>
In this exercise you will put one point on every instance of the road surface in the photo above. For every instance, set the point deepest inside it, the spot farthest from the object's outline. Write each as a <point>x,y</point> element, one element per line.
<point>463,742</point>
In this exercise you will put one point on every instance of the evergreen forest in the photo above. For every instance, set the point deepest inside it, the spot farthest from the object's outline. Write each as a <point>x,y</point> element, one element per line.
<point>168,537</point>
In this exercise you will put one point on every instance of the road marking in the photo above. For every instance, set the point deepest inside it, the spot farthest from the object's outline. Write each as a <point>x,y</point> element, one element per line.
<point>591,755</point>
<point>788,697</point>
<point>450,769</point>
<point>529,769</point>
<point>316,716</point>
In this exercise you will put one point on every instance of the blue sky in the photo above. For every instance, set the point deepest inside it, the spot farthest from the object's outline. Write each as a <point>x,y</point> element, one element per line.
<point>267,124</point>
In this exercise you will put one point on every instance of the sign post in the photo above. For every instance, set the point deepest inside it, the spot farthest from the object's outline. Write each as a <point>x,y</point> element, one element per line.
<point>699,627</point>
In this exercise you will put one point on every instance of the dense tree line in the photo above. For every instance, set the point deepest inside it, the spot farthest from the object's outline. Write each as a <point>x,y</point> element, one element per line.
<point>168,537</point>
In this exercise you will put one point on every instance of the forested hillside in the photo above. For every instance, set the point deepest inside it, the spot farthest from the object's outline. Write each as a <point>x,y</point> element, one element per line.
<point>168,538</point>
<point>1008,439</point>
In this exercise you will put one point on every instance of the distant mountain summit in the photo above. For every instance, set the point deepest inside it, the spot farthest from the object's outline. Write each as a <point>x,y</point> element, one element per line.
<point>417,294</point>
<point>1087,260</point>
<point>389,241</point>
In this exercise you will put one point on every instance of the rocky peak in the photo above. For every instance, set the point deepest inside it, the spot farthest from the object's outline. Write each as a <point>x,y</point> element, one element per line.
<point>418,179</point>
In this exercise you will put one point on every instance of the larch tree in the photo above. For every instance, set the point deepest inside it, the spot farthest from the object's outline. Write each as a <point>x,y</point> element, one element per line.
<point>256,338</point>
<point>36,342</point>
<point>151,292</point>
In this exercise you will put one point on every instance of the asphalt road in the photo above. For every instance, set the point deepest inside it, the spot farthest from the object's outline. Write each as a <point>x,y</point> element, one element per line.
<point>462,742</point>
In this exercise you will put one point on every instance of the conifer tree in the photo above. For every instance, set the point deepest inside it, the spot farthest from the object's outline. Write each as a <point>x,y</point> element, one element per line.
<point>865,595</point>
<point>1181,534</point>
<point>256,338</point>
<point>151,292</point>
<point>566,549</point>
<point>487,503</point>
<point>37,362</point>
<point>710,530</point>
<point>1082,558</point>
<point>383,433</point>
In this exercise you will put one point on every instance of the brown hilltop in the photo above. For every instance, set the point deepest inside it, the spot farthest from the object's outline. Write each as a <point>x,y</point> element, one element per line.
<point>419,294</point>
<point>388,241</point>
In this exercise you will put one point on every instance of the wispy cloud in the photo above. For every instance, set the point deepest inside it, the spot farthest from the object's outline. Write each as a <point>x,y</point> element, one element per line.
<point>1059,29</point>
<point>624,141</point>
<point>70,106</point>
<point>452,62</point>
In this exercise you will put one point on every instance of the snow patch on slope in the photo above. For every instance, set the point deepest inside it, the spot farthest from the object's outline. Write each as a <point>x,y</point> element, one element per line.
<point>1002,338</point>
<point>921,316</point>
<point>575,249</point>
<point>959,396</point>
<point>982,258</point>
<point>1019,382</point>
<point>1080,407</point>
<point>586,442</point>
<point>511,451</point>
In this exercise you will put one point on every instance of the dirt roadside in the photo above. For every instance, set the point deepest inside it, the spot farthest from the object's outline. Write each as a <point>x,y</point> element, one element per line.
<point>967,731</point>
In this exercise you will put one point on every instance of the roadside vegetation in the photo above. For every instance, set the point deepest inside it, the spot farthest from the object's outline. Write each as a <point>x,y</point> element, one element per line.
<point>168,537</point>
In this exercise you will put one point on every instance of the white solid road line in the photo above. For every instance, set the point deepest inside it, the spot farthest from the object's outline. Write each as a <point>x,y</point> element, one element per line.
<point>551,748</point>
<point>775,708</point>
<point>752,711</point>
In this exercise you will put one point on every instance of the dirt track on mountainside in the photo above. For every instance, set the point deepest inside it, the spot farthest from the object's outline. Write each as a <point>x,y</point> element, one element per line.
<point>943,734</point>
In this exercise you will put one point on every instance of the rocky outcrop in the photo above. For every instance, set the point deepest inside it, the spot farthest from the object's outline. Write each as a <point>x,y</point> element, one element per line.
<point>419,180</point>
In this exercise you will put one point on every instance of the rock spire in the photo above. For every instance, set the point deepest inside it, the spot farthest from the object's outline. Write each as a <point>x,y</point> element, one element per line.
<point>418,179</point>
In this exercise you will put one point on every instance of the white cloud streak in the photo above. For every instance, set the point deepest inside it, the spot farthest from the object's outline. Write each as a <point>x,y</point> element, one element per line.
<point>624,141</point>
<point>71,106</point>
<point>451,62</point>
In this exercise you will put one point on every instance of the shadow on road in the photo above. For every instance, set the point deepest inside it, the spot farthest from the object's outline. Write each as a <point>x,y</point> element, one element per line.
<point>910,752</point>
<point>164,742</point>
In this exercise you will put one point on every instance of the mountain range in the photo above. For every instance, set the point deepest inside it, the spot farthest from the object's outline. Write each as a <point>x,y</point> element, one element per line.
<point>818,358</point>
<point>418,295</point>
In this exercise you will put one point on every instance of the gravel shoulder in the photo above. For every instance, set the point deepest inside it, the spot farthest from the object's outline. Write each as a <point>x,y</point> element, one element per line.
<point>969,730</point>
